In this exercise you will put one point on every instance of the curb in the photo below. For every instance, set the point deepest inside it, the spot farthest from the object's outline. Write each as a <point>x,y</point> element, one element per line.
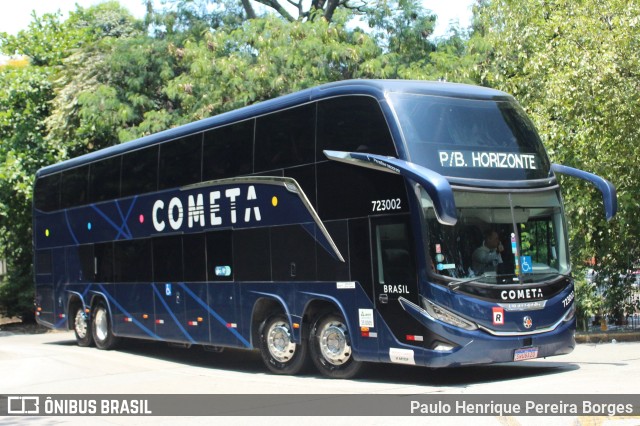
<point>607,337</point>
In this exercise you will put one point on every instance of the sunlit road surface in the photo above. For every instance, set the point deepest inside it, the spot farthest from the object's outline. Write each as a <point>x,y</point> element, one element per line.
<point>51,363</point>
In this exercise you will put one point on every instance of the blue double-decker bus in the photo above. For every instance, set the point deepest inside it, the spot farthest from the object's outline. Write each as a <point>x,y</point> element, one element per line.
<point>355,222</point>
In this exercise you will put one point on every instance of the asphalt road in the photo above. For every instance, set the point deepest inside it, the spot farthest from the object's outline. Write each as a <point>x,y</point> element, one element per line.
<point>52,364</point>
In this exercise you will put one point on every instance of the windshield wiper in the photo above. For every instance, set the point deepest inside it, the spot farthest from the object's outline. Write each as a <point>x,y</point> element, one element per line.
<point>455,284</point>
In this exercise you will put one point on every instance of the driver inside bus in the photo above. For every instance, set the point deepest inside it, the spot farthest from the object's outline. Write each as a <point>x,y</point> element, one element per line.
<point>487,257</point>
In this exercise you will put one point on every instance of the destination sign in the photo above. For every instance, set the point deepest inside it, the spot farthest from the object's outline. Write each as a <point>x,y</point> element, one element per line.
<point>488,159</point>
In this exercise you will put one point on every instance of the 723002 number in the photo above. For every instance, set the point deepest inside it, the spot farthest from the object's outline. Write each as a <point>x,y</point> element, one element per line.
<point>384,205</point>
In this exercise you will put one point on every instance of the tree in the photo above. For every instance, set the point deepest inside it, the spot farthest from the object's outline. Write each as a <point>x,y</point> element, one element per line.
<point>266,58</point>
<point>572,65</point>
<point>316,8</point>
<point>25,105</point>
<point>402,29</point>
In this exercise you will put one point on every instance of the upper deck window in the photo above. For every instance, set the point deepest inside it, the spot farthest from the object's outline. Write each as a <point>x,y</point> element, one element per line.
<point>73,187</point>
<point>139,171</point>
<point>228,151</point>
<point>180,162</point>
<point>47,193</point>
<point>104,179</point>
<point>285,139</point>
<point>353,124</point>
<point>480,139</point>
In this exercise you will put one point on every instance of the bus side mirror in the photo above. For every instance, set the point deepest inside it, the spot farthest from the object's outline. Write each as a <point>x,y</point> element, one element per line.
<point>608,190</point>
<point>436,185</point>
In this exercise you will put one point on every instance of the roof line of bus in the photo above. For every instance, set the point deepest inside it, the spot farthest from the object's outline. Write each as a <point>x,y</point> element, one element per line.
<point>374,88</point>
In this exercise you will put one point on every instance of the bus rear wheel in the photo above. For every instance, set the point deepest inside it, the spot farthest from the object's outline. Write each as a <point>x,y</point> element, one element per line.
<point>101,328</point>
<point>330,346</point>
<point>279,352</point>
<point>81,326</point>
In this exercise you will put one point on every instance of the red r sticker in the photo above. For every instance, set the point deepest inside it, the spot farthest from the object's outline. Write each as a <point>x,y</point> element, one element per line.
<point>498,316</point>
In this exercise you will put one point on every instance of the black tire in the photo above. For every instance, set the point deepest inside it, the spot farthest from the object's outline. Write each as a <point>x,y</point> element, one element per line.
<point>330,347</point>
<point>81,326</point>
<point>101,327</point>
<point>280,354</point>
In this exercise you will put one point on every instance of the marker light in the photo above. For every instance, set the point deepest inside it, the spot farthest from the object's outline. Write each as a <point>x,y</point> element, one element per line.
<point>570,313</point>
<point>441,347</point>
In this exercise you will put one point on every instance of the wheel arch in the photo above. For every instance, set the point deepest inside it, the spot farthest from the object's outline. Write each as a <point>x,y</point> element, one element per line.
<point>320,305</point>
<point>98,296</point>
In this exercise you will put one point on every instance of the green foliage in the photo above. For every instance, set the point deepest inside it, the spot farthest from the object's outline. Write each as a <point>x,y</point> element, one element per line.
<point>26,102</point>
<point>588,302</point>
<point>46,42</point>
<point>23,107</point>
<point>263,59</point>
<point>575,68</point>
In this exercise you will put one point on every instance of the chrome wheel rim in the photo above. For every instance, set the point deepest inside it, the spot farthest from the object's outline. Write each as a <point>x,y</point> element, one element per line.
<point>334,346</point>
<point>279,342</point>
<point>80,324</point>
<point>102,324</point>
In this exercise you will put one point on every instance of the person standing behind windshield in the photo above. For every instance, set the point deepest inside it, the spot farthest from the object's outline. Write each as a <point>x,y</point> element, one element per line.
<point>487,257</point>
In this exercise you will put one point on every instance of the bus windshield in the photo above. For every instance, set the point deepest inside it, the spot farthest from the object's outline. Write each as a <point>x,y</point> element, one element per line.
<point>469,138</point>
<point>500,238</point>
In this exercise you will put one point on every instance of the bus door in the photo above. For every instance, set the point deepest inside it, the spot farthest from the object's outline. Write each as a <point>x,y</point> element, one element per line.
<point>395,274</point>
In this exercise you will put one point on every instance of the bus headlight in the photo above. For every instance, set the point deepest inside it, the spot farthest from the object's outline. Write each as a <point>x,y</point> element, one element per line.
<point>444,315</point>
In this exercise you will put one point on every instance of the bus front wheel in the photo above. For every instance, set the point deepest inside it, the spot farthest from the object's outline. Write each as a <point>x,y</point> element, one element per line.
<point>330,347</point>
<point>82,326</point>
<point>101,327</point>
<point>279,352</point>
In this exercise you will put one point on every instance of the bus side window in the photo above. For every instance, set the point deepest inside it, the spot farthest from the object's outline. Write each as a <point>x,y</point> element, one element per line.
<point>285,139</point>
<point>47,193</point>
<point>132,261</point>
<point>139,172</point>
<point>167,259</point>
<point>194,257</point>
<point>43,262</point>
<point>73,187</point>
<point>86,262</point>
<point>251,255</point>
<point>228,151</point>
<point>220,265</point>
<point>104,179</point>
<point>180,162</point>
<point>103,265</point>
<point>353,124</point>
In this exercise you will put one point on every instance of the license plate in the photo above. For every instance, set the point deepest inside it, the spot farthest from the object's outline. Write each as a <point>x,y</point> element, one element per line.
<point>525,353</point>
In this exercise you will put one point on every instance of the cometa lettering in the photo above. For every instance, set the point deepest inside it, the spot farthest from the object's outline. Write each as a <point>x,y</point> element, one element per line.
<point>527,293</point>
<point>173,211</point>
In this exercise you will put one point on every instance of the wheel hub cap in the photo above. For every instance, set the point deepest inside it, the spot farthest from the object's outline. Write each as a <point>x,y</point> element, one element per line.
<point>334,345</point>
<point>279,342</point>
